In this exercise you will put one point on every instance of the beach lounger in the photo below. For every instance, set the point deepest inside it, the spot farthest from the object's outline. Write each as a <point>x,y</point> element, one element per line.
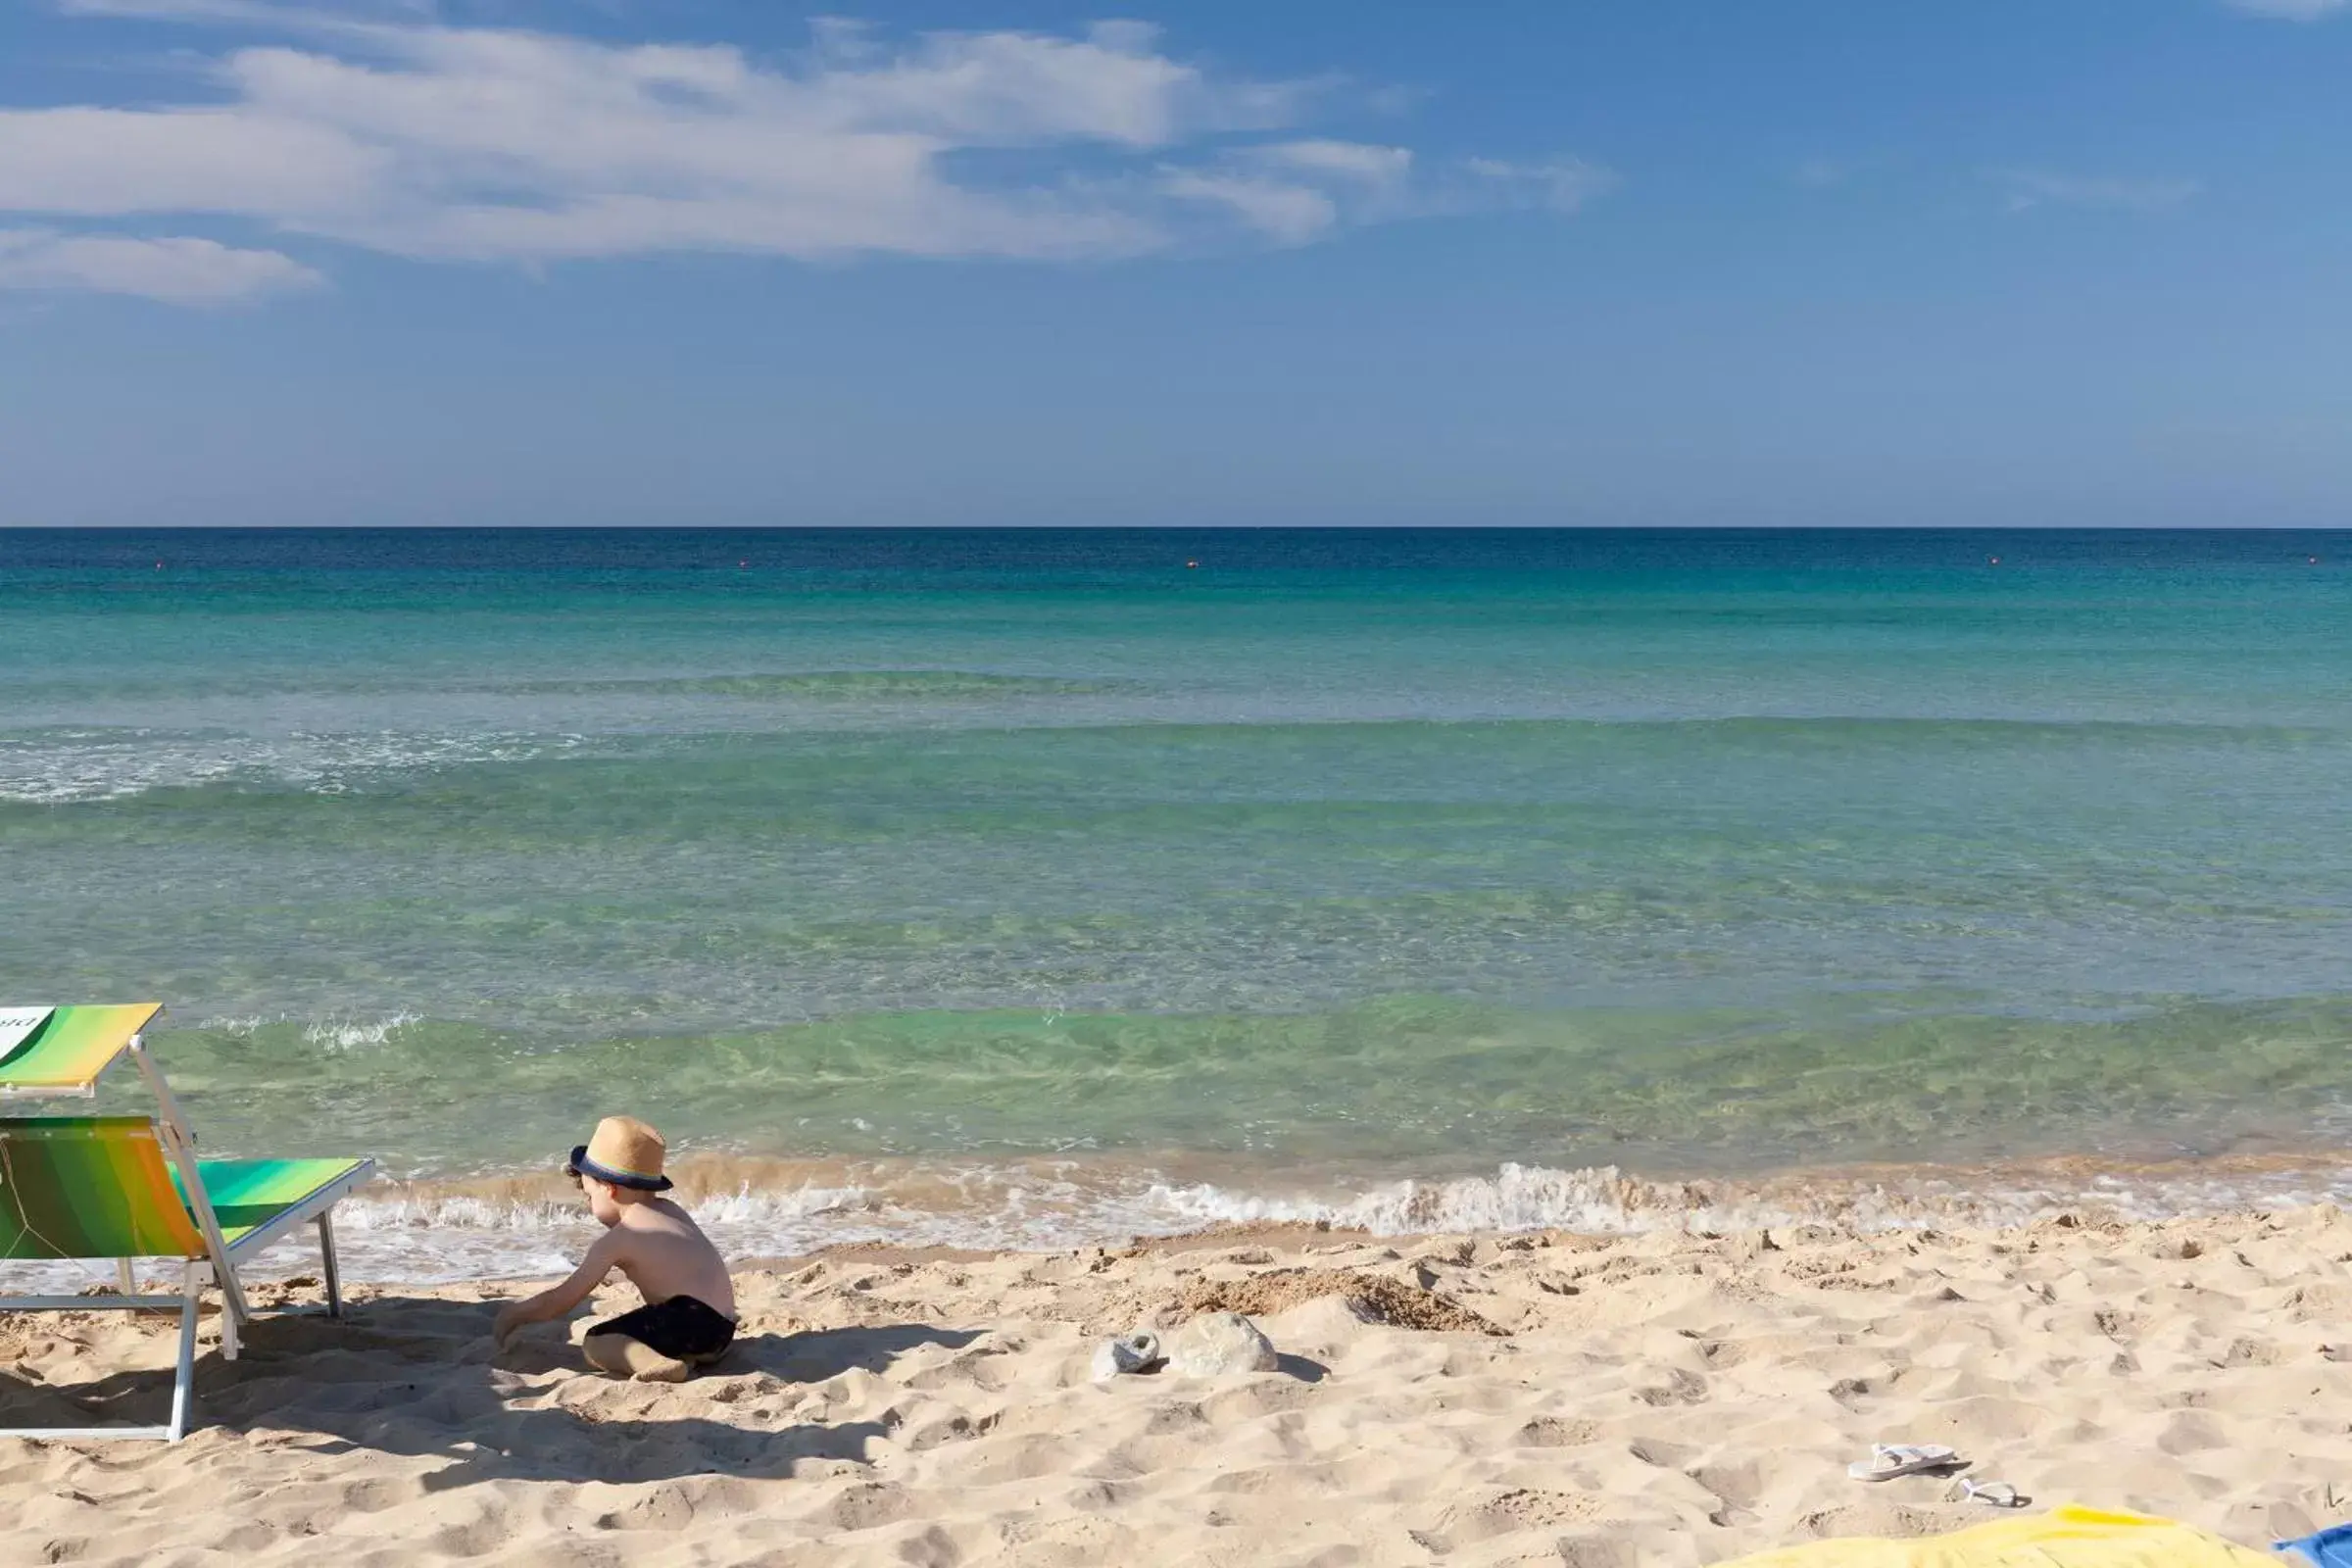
<point>126,1188</point>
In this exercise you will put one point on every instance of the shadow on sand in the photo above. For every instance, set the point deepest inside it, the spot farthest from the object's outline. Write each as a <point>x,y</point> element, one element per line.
<point>417,1376</point>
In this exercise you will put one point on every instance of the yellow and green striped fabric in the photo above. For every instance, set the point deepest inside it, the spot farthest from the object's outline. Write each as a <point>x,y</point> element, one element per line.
<point>248,1194</point>
<point>66,1051</point>
<point>91,1187</point>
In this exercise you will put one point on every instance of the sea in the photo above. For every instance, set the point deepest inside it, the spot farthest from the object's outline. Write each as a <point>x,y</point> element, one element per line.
<point>1047,888</point>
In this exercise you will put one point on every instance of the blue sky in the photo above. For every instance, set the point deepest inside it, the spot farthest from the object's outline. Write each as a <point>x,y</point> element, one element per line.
<point>1633,262</point>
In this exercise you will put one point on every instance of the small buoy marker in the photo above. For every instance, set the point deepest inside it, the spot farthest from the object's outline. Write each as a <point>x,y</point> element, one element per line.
<point>1192,566</point>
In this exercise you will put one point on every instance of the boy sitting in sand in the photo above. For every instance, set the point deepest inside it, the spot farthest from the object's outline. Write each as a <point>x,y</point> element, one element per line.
<point>689,1316</point>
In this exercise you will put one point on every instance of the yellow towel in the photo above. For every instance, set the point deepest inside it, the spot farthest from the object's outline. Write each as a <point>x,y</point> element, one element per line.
<point>2064,1538</point>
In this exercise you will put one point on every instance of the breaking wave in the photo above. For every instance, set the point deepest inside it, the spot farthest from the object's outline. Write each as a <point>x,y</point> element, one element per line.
<point>508,1227</point>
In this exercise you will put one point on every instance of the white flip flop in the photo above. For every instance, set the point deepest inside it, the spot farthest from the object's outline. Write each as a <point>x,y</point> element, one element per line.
<point>1992,1494</point>
<point>1888,1460</point>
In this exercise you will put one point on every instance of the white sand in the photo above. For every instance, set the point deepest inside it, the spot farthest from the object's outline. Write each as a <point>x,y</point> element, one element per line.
<point>1663,1399</point>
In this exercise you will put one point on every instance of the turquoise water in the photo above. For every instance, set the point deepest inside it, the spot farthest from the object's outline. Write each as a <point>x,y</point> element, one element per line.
<point>1339,857</point>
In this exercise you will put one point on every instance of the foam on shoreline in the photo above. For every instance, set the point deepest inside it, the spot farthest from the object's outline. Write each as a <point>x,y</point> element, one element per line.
<point>499,1227</point>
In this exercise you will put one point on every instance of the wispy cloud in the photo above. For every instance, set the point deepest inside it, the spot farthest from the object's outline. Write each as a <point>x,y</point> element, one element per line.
<point>474,144</point>
<point>2028,188</point>
<point>180,270</point>
<point>2290,10</point>
<point>1283,211</point>
<point>1297,192</point>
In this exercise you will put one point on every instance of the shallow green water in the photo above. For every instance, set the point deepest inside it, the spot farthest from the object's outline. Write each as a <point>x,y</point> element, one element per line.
<point>1417,853</point>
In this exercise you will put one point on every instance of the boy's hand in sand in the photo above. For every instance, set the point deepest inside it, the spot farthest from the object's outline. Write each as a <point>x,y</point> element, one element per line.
<point>508,1322</point>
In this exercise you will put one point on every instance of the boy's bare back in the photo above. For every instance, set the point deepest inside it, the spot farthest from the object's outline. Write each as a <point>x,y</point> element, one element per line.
<point>661,1250</point>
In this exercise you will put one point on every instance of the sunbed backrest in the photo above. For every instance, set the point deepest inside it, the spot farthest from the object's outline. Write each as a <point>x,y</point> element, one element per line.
<point>91,1187</point>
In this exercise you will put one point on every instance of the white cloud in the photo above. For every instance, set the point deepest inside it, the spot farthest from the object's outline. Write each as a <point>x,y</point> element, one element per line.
<point>112,161</point>
<point>2290,10</point>
<point>1287,214</point>
<point>473,144</point>
<point>1357,160</point>
<point>1298,191</point>
<point>2027,188</point>
<point>177,271</point>
<point>1294,192</point>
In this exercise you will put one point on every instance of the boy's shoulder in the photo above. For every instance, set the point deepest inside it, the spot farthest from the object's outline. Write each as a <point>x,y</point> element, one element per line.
<point>660,1217</point>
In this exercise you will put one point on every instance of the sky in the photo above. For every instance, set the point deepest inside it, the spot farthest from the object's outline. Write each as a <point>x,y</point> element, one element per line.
<point>1648,263</point>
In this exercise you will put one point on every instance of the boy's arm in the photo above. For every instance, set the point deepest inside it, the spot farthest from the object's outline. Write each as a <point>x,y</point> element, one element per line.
<point>558,1300</point>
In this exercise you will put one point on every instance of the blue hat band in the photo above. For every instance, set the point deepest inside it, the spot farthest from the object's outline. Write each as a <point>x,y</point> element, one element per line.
<point>583,1166</point>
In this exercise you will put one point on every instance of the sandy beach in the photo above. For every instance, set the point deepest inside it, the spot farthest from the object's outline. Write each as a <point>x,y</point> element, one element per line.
<point>1524,1398</point>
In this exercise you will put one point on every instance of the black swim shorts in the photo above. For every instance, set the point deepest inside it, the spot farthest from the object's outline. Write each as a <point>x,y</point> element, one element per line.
<point>682,1328</point>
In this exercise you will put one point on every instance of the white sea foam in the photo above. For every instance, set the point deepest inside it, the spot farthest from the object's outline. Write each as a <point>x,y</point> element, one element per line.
<point>66,766</point>
<point>331,1032</point>
<point>425,1235</point>
<point>1606,1200</point>
<point>348,1034</point>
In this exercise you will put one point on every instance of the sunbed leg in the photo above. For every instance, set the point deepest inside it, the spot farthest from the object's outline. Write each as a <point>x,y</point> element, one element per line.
<point>184,1376</point>
<point>326,1254</point>
<point>228,1313</point>
<point>124,1280</point>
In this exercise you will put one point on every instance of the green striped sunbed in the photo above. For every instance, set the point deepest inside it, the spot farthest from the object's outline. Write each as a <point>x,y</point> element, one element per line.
<point>126,1188</point>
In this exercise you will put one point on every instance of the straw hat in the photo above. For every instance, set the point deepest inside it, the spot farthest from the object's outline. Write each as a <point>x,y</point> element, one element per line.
<point>626,1152</point>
